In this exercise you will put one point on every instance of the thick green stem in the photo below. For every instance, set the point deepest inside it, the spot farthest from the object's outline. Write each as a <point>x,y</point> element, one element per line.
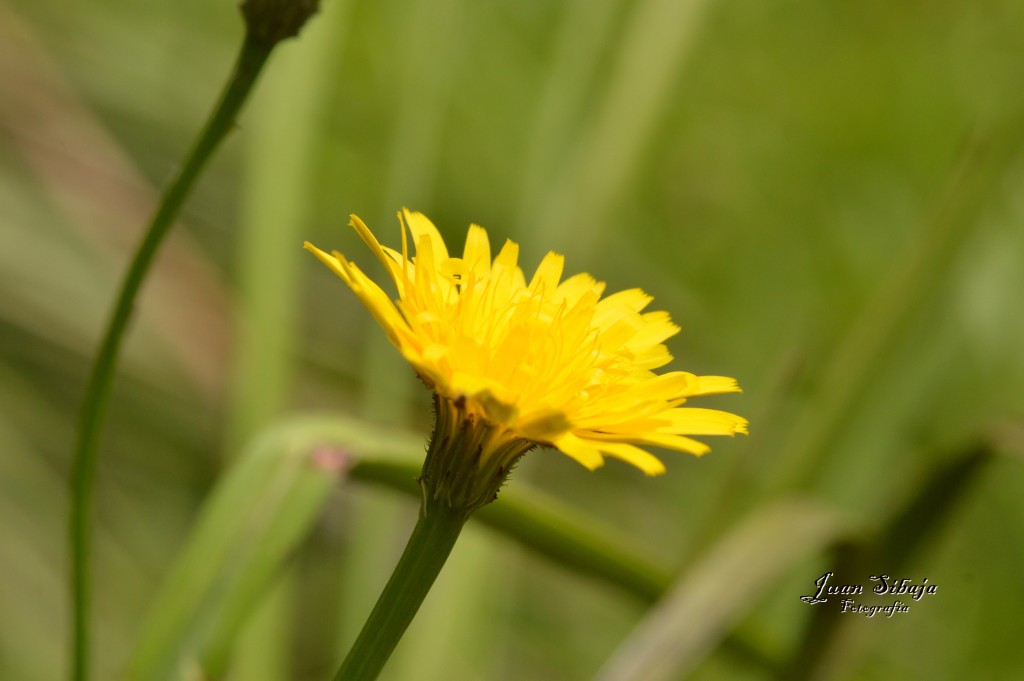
<point>468,461</point>
<point>431,542</point>
<point>251,58</point>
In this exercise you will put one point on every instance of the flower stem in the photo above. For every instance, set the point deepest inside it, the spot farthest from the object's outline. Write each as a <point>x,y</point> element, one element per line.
<point>431,542</point>
<point>251,59</point>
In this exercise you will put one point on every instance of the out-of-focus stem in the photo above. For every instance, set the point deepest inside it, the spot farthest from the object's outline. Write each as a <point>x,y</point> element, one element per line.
<point>250,62</point>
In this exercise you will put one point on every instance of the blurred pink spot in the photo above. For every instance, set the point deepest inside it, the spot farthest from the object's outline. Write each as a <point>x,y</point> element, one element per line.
<point>331,458</point>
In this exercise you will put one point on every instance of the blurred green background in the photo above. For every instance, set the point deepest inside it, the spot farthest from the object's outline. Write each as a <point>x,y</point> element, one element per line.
<point>827,197</point>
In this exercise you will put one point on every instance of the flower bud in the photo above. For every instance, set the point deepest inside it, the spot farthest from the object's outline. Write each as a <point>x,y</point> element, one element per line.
<point>271,21</point>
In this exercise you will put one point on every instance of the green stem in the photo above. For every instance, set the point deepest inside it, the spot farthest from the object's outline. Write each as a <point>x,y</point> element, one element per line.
<point>431,542</point>
<point>549,527</point>
<point>251,58</point>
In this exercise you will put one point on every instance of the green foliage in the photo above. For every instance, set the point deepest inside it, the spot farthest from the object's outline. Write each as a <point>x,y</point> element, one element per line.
<point>825,196</point>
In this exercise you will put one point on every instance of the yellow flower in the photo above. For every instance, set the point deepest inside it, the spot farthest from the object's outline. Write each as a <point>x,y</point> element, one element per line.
<point>541,362</point>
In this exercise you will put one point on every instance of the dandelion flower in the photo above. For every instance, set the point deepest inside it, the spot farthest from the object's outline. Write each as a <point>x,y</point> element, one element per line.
<point>517,363</point>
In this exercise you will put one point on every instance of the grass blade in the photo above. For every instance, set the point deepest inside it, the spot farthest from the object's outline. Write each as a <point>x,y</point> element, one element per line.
<point>251,523</point>
<point>700,609</point>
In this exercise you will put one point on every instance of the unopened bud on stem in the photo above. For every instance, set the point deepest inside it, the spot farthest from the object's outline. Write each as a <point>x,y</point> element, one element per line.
<point>271,21</point>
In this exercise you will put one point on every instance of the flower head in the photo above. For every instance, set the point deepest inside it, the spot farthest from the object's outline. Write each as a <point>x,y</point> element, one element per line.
<point>547,361</point>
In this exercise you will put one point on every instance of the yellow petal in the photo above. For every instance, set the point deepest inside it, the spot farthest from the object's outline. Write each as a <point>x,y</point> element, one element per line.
<point>544,426</point>
<point>455,270</point>
<point>641,458</point>
<point>477,252</point>
<point>575,287</point>
<point>376,301</point>
<point>506,278</point>
<point>716,385</point>
<point>656,328</point>
<point>695,421</point>
<point>676,442</point>
<point>651,357</point>
<point>508,256</point>
<point>548,273</point>
<point>432,287</point>
<point>331,261</point>
<point>420,226</point>
<point>618,305</point>
<point>586,454</point>
<point>391,264</point>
